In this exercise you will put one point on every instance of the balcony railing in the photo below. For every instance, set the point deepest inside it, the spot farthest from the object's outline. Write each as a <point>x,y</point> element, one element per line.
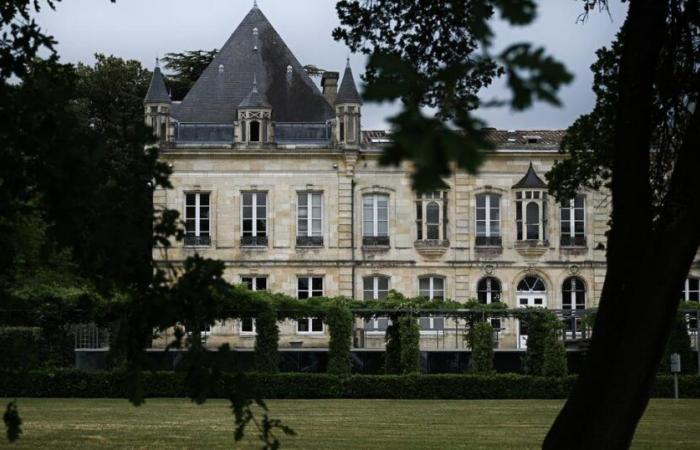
<point>488,241</point>
<point>202,133</point>
<point>302,133</point>
<point>201,240</point>
<point>253,241</point>
<point>573,241</point>
<point>375,241</point>
<point>309,241</point>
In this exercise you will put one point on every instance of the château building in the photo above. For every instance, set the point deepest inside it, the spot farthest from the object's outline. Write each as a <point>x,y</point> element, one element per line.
<point>275,177</point>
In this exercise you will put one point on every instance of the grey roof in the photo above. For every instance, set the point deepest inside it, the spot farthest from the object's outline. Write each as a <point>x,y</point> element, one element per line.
<point>530,181</point>
<point>157,92</point>
<point>518,140</point>
<point>254,99</point>
<point>347,93</point>
<point>223,85</point>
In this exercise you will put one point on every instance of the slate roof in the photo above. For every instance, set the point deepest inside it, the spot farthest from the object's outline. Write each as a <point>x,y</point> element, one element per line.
<point>530,181</point>
<point>347,93</point>
<point>525,140</point>
<point>157,91</point>
<point>223,85</point>
<point>254,99</point>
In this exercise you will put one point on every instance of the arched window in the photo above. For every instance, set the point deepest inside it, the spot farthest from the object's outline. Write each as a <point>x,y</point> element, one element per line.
<point>488,290</point>
<point>531,284</point>
<point>431,209</point>
<point>254,131</point>
<point>574,294</point>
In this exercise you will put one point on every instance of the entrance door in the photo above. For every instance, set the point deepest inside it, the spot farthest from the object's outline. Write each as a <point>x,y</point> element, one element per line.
<point>531,294</point>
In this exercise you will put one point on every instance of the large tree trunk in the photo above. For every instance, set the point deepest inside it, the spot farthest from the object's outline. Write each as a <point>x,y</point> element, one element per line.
<point>647,260</point>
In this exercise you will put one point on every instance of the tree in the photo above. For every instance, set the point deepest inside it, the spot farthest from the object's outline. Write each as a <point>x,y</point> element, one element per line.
<point>648,130</point>
<point>185,68</point>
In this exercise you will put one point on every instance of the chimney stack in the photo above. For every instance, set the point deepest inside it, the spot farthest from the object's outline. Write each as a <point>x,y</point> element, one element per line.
<point>329,84</point>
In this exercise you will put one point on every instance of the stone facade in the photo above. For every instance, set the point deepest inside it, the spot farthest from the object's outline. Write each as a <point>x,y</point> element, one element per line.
<point>307,199</point>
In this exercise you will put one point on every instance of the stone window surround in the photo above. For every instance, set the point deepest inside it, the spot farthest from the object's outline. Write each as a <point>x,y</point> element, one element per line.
<point>181,192</point>
<point>361,192</point>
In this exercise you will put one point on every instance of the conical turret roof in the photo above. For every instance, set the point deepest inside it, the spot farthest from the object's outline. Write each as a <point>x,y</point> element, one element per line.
<point>254,99</point>
<point>347,93</point>
<point>255,49</point>
<point>157,91</point>
<point>530,180</point>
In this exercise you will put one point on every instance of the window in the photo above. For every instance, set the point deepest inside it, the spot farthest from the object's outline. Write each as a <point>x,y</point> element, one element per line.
<point>691,290</point>
<point>308,287</point>
<point>530,213</point>
<point>430,215</point>
<point>197,218</point>
<point>432,288</point>
<point>254,131</point>
<point>375,217</point>
<point>309,219</point>
<point>573,222</point>
<point>488,290</point>
<point>254,283</point>
<point>574,294</point>
<point>254,228</point>
<point>375,288</point>
<point>342,130</point>
<point>488,219</point>
<point>432,323</point>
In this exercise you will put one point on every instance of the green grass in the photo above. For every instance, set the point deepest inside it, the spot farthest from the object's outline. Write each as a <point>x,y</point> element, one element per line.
<point>328,424</point>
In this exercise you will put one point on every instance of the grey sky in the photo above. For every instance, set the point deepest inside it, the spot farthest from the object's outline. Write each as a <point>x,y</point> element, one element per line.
<point>142,29</point>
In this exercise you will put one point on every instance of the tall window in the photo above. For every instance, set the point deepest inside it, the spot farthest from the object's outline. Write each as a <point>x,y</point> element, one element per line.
<point>431,215</point>
<point>308,287</point>
<point>530,213</point>
<point>488,219</point>
<point>257,283</point>
<point>254,227</point>
<point>309,219</point>
<point>197,218</point>
<point>691,290</point>
<point>574,294</point>
<point>573,222</point>
<point>375,219</point>
<point>375,288</point>
<point>488,290</point>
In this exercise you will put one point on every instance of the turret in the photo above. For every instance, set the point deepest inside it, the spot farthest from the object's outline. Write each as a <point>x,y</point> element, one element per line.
<point>348,111</point>
<point>157,105</point>
<point>254,125</point>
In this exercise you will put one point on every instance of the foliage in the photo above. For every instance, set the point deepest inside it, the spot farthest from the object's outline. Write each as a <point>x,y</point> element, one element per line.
<point>437,55</point>
<point>392,348</point>
<point>243,413</point>
<point>184,70</point>
<point>554,363</point>
<point>313,71</point>
<point>679,342</point>
<point>410,344</point>
<point>13,423</point>
<point>541,325</point>
<point>21,348</point>
<point>340,322</point>
<point>266,341</point>
<point>482,348</point>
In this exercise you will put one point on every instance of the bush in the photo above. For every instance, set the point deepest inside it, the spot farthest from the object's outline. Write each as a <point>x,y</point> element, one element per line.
<point>410,345</point>
<point>21,347</point>
<point>339,319</point>
<point>64,383</point>
<point>266,354</point>
<point>554,364</point>
<point>392,351</point>
<point>482,348</point>
<point>679,342</point>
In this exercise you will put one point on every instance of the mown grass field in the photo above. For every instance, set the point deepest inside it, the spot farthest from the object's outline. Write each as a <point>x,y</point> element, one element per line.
<point>328,424</point>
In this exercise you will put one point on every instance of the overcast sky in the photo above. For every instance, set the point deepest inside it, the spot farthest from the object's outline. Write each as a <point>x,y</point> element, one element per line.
<point>142,29</point>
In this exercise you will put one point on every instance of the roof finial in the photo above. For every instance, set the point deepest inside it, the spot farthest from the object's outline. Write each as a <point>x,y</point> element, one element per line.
<point>347,60</point>
<point>157,61</point>
<point>255,4</point>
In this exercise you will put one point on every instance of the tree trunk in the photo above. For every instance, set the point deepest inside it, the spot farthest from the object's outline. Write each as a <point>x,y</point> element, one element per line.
<point>647,261</point>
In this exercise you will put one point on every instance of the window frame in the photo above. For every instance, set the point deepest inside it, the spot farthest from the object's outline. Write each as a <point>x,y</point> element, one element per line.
<point>309,239</point>
<point>489,292</point>
<point>431,287</point>
<point>523,198</point>
<point>310,320</point>
<point>374,238</point>
<point>423,201</point>
<point>199,238</point>
<point>375,291</point>
<point>253,286</point>
<point>255,238</point>
<point>687,291</point>
<point>573,239</point>
<point>488,237</point>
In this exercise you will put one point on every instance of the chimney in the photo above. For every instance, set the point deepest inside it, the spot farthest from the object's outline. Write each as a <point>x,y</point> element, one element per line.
<point>329,84</point>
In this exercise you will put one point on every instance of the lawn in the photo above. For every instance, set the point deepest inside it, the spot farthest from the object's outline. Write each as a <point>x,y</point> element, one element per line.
<point>328,424</point>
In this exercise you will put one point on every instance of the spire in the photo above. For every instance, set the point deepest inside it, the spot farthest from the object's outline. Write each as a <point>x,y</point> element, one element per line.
<point>254,99</point>
<point>347,93</point>
<point>157,91</point>
<point>530,180</point>
<point>255,4</point>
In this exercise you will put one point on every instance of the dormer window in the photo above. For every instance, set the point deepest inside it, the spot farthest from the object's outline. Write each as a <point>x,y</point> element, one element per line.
<point>254,131</point>
<point>532,139</point>
<point>530,215</point>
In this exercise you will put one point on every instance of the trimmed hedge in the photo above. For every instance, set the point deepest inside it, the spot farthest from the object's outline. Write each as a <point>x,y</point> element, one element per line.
<point>75,383</point>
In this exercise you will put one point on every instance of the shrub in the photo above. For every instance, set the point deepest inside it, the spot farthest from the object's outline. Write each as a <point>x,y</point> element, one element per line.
<point>266,354</point>
<point>20,348</point>
<point>410,345</point>
<point>554,364</point>
<point>679,342</point>
<point>482,348</point>
<point>392,353</point>
<point>542,329</point>
<point>62,383</point>
<point>339,319</point>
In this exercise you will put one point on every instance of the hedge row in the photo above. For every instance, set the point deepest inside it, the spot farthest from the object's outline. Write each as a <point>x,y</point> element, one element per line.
<point>75,383</point>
